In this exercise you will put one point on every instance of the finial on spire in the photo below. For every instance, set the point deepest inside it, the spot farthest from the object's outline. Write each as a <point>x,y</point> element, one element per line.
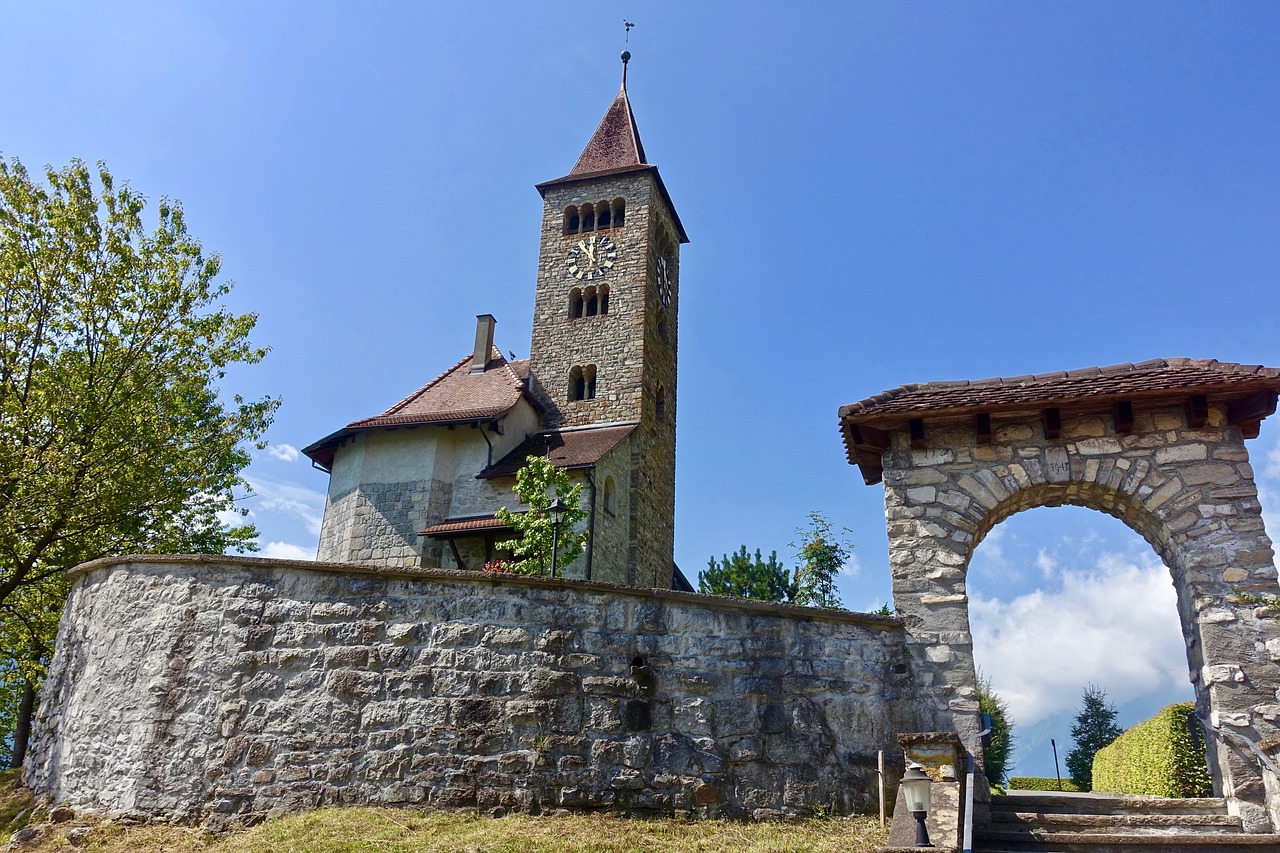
<point>626,54</point>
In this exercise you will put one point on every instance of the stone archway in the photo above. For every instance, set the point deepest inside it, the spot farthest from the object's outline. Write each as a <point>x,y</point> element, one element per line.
<point>1159,445</point>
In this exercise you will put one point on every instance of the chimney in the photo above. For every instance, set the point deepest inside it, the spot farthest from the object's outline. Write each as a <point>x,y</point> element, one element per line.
<point>484,342</point>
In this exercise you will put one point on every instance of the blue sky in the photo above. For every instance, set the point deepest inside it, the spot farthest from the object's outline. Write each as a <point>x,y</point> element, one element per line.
<point>876,193</point>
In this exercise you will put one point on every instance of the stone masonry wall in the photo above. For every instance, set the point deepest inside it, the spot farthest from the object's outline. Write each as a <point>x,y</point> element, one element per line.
<point>227,689</point>
<point>1189,492</point>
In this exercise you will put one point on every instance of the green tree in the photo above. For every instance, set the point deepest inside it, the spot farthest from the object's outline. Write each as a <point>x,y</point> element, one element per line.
<point>1094,728</point>
<point>822,552</point>
<point>114,437</point>
<point>741,576</point>
<point>999,745</point>
<point>538,483</point>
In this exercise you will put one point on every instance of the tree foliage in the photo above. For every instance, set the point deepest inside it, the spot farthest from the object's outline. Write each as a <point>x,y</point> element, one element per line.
<point>999,745</point>
<point>114,437</point>
<point>1094,728</point>
<point>742,576</point>
<point>538,483</point>
<point>822,552</point>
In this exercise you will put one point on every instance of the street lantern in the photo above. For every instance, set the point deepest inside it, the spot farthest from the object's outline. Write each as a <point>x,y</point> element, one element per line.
<point>557,510</point>
<point>915,787</point>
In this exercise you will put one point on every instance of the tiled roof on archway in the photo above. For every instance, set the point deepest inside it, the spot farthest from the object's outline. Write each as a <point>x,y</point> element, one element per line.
<point>1155,379</point>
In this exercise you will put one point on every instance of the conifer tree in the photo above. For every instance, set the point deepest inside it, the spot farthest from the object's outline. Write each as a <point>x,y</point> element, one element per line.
<point>1094,728</point>
<point>741,576</point>
<point>999,745</point>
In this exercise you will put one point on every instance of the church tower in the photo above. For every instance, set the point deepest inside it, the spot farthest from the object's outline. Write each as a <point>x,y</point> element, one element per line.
<point>605,319</point>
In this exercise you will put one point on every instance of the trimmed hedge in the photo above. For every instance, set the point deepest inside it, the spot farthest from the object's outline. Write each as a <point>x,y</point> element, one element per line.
<point>1157,757</point>
<point>1040,783</point>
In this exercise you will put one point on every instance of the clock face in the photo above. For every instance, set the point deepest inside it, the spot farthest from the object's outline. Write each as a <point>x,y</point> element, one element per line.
<point>591,257</point>
<point>663,275</point>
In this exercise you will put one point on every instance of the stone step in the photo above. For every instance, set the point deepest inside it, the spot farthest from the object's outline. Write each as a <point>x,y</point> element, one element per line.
<point>1115,823</point>
<point>1077,842</point>
<point>1104,804</point>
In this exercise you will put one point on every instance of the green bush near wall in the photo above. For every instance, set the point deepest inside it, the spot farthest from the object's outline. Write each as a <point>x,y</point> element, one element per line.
<point>1040,783</point>
<point>1158,757</point>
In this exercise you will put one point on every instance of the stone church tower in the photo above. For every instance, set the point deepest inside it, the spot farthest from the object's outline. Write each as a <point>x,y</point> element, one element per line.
<point>419,483</point>
<point>604,324</point>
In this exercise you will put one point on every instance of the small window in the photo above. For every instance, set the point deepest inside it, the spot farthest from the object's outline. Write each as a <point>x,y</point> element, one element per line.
<point>660,404</point>
<point>593,302</point>
<point>582,383</point>
<point>604,298</point>
<point>619,212</point>
<point>571,220</point>
<point>610,499</point>
<point>603,218</point>
<point>575,304</point>
<point>663,331</point>
<point>588,218</point>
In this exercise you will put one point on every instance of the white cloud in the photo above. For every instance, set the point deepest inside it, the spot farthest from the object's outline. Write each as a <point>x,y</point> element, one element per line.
<point>280,496</point>
<point>1046,564</point>
<point>287,551</point>
<point>284,452</point>
<point>852,566</point>
<point>1115,625</point>
<point>231,517</point>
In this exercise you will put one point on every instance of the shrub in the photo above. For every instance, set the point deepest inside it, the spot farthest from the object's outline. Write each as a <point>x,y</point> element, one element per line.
<point>1040,783</point>
<point>1158,757</point>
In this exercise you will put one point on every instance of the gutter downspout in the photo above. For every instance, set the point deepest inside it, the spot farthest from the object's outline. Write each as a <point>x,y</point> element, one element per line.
<point>591,518</point>
<point>489,456</point>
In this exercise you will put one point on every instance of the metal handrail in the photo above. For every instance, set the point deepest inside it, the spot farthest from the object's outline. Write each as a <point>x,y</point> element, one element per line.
<point>1245,739</point>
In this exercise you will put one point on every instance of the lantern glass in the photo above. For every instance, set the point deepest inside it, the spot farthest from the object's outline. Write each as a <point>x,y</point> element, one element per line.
<point>915,785</point>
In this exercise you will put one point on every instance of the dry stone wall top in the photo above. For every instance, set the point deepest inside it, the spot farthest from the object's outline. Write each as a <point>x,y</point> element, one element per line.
<point>228,689</point>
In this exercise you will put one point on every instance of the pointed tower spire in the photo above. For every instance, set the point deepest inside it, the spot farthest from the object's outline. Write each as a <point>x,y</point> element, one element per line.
<point>616,142</point>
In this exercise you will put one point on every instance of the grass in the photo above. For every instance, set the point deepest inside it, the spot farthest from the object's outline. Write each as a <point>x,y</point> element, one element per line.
<point>366,830</point>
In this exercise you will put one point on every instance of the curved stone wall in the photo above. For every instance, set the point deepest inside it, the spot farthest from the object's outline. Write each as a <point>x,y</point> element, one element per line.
<point>228,689</point>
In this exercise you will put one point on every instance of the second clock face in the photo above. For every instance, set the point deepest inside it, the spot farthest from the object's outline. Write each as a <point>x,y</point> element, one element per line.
<point>591,257</point>
<point>662,270</point>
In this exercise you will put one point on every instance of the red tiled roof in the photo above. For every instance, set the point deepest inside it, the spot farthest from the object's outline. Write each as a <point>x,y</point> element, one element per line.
<point>1149,379</point>
<point>464,525</point>
<point>576,448</point>
<point>616,142</point>
<point>457,395</point>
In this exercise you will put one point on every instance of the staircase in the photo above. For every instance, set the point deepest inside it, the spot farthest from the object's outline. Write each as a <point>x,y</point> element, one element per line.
<point>1026,821</point>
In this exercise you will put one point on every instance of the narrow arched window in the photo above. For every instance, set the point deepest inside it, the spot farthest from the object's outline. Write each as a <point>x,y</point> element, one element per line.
<point>660,404</point>
<point>610,499</point>
<point>604,298</point>
<point>577,384</point>
<point>588,218</point>
<point>571,220</point>
<point>590,374</point>
<point>575,304</point>
<point>593,302</point>
<point>619,212</point>
<point>664,332</point>
<point>602,217</point>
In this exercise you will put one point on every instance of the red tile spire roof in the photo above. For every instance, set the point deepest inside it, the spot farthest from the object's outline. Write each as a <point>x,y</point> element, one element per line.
<point>616,142</point>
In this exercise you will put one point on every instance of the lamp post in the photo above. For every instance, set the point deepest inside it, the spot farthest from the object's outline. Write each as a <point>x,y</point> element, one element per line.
<point>915,787</point>
<point>557,510</point>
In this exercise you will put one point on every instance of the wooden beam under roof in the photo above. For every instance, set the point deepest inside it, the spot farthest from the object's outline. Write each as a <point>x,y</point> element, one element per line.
<point>1254,407</point>
<point>1122,414</point>
<point>1197,411</point>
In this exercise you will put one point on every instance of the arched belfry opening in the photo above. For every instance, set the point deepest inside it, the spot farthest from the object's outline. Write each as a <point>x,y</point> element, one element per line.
<point>1159,445</point>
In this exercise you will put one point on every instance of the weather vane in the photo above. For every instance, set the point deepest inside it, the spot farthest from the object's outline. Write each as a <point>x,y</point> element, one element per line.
<point>626,36</point>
